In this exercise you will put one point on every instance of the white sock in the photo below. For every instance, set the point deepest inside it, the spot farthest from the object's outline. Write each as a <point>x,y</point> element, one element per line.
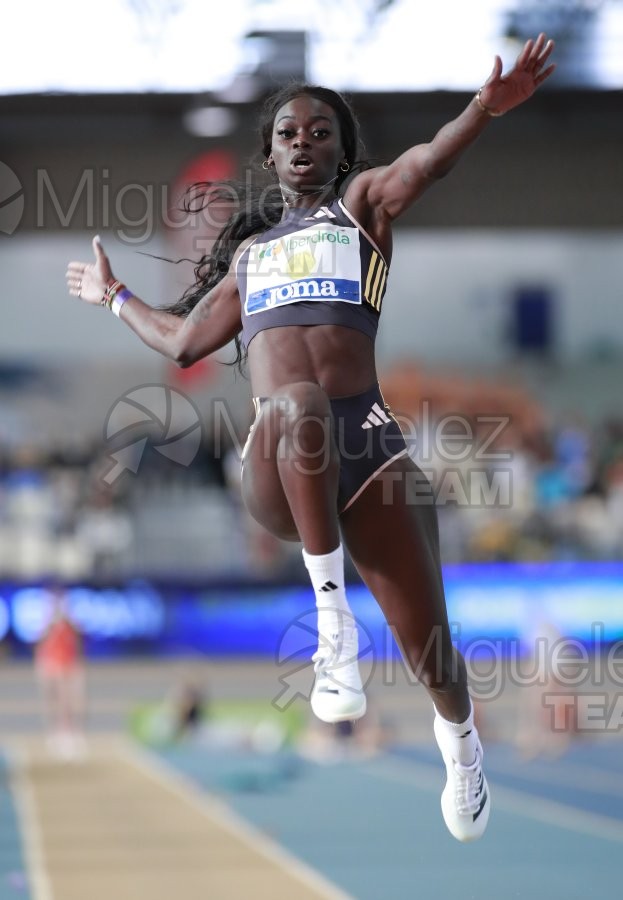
<point>326,572</point>
<point>460,739</point>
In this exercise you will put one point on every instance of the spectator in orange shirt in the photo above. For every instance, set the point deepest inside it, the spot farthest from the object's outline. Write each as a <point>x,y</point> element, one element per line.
<point>60,671</point>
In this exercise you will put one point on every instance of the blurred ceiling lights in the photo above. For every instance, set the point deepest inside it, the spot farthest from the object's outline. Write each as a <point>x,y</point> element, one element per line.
<point>210,121</point>
<point>353,45</point>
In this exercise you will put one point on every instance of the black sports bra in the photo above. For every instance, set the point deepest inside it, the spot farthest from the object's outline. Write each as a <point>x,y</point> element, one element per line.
<point>317,268</point>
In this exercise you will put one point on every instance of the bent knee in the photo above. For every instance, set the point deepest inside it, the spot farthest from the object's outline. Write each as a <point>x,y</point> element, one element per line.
<point>301,400</point>
<point>280,526</point>
<point>275,517</point>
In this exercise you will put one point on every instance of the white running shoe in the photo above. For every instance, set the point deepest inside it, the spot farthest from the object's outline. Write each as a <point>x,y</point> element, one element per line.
<point>338,695</point>
<point>466,800</point>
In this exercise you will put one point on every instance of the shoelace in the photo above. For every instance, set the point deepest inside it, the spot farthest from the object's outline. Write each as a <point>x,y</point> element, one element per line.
<point>469,786</point>
<point>336,661</point>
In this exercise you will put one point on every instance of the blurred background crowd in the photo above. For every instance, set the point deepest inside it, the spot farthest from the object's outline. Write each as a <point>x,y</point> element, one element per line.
<point>512,481</point>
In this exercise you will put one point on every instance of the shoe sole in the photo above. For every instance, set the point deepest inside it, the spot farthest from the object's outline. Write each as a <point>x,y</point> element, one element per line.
<point>351,713</point>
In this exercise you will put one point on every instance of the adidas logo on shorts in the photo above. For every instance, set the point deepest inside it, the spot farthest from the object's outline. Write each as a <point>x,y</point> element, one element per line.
<point>376,416</point>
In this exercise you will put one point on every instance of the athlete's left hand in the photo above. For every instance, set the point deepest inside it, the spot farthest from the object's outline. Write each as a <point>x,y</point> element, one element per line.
<point>501,93</point>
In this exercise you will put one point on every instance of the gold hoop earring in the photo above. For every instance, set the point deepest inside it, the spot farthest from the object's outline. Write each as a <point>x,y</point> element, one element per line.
<point>345,166</point>
<point>266,165</point>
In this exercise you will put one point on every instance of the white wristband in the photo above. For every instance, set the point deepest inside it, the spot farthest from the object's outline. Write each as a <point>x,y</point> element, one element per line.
<point>119,299</point>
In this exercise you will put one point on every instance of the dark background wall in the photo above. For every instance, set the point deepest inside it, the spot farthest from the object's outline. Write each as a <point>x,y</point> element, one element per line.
<point>555,162</point>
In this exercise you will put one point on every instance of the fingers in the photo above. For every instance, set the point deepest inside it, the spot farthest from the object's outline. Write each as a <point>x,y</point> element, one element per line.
<point>97,248</point>
<point>75,272</point>
<point>497,69</point>
<point>74,275</point>
<point>541,78</point>
<point>74,284</point>
<point>524,56</point>
<point>87,281</point>
<point>536,53</point>
<point>542,59</point>
<point>537,48</point>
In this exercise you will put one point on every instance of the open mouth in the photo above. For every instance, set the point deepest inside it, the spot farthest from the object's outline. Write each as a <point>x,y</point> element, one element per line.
<point>301,163</point>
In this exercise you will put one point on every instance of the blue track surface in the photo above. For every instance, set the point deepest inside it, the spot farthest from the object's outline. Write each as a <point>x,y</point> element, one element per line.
<point>375,828</point>
<point>13,879</point>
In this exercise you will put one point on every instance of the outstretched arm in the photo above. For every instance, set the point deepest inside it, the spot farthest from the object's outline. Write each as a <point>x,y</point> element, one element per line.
<point>386,192</point>
<point>213,322</point>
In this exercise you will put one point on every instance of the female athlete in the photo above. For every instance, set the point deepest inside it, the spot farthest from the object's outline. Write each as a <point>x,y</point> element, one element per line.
<point>302,281</point>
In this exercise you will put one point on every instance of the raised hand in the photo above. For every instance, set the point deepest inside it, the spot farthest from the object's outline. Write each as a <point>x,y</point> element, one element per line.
<point>500,93</point>
<point>88,280</point>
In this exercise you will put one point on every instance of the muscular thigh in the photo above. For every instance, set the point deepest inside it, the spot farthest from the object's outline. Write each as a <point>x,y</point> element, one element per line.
<point>392,535</point>
<point>262,490</point>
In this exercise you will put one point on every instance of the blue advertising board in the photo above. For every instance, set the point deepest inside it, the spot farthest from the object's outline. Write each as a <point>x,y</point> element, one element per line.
<point>494,602</point>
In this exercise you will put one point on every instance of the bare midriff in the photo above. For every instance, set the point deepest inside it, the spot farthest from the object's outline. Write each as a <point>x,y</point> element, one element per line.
<point>339,359</point>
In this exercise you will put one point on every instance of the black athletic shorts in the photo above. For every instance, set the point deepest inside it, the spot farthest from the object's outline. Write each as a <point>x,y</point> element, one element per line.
<point>368,439</point>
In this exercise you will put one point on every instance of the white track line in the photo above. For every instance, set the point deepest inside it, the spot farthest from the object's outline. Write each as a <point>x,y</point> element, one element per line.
<point>549,812</point>
<point>224,816</point>
<point>28,819</point>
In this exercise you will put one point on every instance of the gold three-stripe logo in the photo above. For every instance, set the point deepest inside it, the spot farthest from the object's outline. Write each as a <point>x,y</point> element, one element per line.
<point>375,281</point>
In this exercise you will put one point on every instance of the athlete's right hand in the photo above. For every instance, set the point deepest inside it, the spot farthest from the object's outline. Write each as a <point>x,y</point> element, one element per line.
<point>88,280</point>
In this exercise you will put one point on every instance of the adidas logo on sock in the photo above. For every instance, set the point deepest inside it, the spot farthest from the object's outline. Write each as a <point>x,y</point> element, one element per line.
<point>376,416</point>
<point>328,586</point>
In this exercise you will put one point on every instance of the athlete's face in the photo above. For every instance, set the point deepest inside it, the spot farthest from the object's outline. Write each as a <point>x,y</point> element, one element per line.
<point>306,143</point>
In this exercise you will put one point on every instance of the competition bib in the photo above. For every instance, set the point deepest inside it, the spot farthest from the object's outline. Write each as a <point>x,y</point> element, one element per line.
<point>315,264</point>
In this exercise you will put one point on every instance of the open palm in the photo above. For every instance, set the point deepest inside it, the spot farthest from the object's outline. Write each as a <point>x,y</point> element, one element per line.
<point>88,280</point>
<point>501,93</point>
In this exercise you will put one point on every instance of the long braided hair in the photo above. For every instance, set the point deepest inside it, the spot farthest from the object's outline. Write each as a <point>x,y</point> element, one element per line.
<point>257,207</point>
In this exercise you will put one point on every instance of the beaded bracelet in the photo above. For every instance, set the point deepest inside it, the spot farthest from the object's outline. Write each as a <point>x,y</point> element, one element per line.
<point>109,292</point>
<point>115,296</point>
<point>486,109</point>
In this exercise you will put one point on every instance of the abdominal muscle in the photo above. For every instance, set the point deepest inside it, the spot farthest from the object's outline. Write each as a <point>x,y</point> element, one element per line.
<point>339,359</point>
